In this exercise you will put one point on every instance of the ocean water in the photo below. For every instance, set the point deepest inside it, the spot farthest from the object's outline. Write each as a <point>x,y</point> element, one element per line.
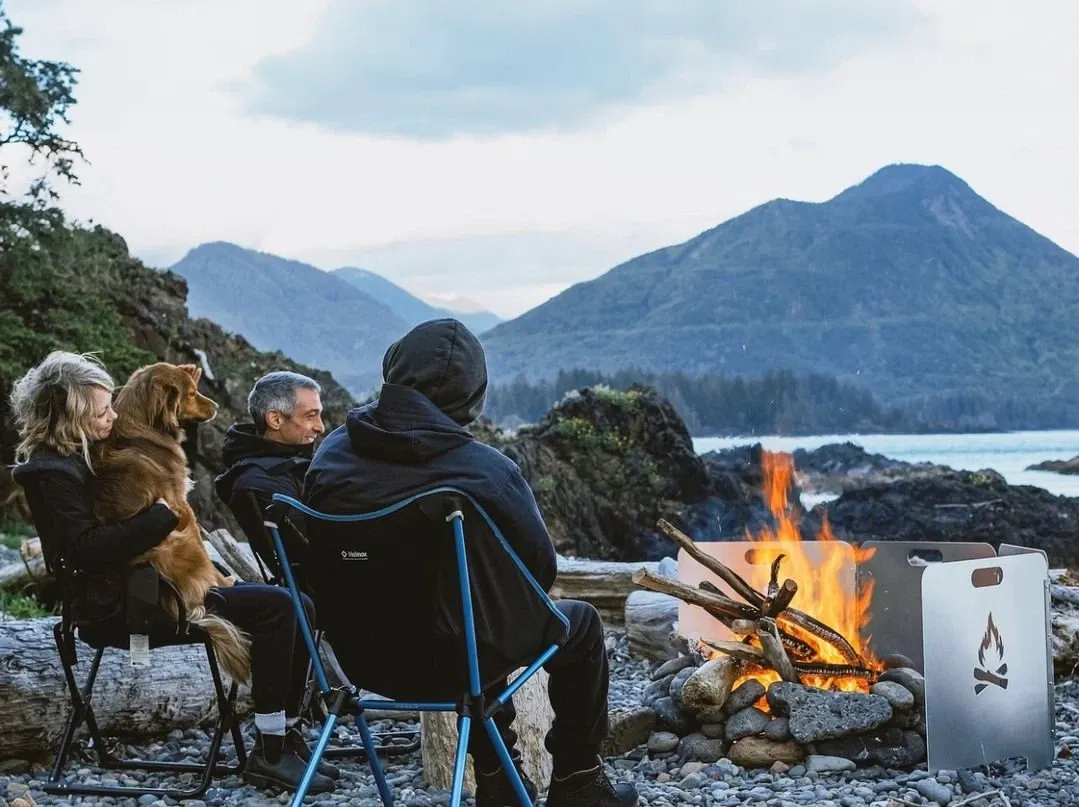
<point>1008,454</point>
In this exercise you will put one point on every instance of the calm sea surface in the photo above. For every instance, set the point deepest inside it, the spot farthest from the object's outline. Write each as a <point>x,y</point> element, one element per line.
<point>1009,454</point>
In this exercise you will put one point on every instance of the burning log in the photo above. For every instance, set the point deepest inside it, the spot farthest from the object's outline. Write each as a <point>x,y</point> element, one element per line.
<point>759,602</point>
<point>778,603</point>
<point>773,651</point>
<point>716,604</point>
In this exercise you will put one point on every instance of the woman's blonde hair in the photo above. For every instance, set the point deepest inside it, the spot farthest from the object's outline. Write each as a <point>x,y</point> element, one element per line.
<point>53,404</point>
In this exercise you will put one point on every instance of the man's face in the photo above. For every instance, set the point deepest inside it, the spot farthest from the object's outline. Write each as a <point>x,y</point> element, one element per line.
<point>303,426</point>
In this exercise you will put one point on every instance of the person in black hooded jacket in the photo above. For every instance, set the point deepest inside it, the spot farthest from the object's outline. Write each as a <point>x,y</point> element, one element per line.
<point>270,455</point>
<point>411,439</point>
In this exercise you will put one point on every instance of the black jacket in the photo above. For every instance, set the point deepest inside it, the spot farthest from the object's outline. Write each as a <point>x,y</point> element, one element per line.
<point>57,491</point>
<point>257,468</point>
<point>410,440</point>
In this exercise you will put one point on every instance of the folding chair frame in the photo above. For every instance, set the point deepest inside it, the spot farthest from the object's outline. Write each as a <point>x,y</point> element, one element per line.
<point>307,705</point>
<point>471,706</point>
<point>83,712</point>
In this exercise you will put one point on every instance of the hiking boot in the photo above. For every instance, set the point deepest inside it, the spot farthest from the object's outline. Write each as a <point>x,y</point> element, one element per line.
<point>295,742</point>
<point>495,790</point>
<point>287,772</point>
<point>590,788</point>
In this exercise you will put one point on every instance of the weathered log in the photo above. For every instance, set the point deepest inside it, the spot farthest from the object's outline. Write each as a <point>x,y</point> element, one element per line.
<point>176,691</point>
<point>715,604</point>
<point>238,556</point>
<point>28,571</point>
<point>728,576</point>
<point>743,652</point>
<point>604,584</point>
<point>773,651</point>
<point>650,618</point>
<point>438,738</point>
<point>778,604</point>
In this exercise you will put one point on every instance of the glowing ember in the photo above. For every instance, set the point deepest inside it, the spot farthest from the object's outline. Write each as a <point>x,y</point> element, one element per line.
<point>821,593</point>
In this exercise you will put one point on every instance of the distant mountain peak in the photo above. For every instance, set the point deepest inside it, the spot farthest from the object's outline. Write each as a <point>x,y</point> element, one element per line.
<point>902,178</point>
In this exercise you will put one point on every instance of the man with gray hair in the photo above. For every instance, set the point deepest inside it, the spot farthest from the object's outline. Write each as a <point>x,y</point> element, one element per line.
<point>271,454</point>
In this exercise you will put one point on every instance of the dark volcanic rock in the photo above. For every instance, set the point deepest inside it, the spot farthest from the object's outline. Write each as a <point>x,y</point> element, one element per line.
<point>815,714</point>
<point>891,747</point>
<point>957,506</point>
<point>606,465</point>
<point>839,467</point>
<point>1057,466</point>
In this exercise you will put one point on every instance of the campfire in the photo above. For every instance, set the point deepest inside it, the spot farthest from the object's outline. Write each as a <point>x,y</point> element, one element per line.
<point>792,619</point>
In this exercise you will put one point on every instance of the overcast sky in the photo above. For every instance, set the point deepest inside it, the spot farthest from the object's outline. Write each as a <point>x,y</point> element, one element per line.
<point>504,150</point>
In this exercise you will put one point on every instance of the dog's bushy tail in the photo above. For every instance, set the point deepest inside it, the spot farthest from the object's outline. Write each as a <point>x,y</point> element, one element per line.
<point>231,645</point>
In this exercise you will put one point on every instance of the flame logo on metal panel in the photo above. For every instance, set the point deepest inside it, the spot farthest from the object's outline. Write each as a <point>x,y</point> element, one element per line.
<point>990,654</point>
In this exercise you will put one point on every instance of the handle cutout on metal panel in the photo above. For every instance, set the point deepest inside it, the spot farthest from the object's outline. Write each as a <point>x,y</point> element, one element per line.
<point>983,578</point>
<point>762,557</point>
<point>922,557</point>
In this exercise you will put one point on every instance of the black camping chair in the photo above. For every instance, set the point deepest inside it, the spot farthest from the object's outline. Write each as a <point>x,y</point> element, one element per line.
<point>270,566</point>
<point>411,560</point>
<point>144,615</point>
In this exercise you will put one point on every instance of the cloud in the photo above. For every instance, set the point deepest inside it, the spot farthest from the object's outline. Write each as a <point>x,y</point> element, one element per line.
<point>433,70</point>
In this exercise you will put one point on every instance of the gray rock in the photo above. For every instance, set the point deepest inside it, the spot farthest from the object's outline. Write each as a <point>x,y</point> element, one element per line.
<point>819,763</point>
<point>893,660</point>
<point>713,731</point>
<point>818,715</point>
<point>746,723</point>
<point>700,748</point>
<point>675,665</point>
<point>778,728</point>
<point>679,681</point>
<point>934,790</point>
<point>627,730</point>
<point>889,747</point>
<point>797,772</point>
<point>911,679</point>
<point>662,742</point>
<point>747,694</point>
<point>712,715</point>
<point>896,694</point>
<point>710,684</point>
<point>668,718</point>
<point>656,690</point>
<point>969,782</point>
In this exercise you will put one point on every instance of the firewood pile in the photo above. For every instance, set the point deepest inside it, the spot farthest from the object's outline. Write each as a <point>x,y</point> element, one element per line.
<point>775,635</point>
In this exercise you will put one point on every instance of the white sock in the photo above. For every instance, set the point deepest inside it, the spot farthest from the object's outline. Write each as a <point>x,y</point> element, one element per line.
<point>271,723</point>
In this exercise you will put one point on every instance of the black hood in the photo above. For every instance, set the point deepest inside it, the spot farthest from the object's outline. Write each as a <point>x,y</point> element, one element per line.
<point>403,426</point>
<point>242,443</point>
<point>445,362</point>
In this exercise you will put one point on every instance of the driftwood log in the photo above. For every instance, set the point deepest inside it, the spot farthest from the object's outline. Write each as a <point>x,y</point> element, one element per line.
<point>650,623</point>
<point>604,584</point>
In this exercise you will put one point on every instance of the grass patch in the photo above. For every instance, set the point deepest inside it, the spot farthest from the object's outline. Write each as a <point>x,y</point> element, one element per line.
<point>21,606</point>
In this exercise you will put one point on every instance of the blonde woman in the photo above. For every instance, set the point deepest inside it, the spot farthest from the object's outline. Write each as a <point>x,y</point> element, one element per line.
<point>62,406</point>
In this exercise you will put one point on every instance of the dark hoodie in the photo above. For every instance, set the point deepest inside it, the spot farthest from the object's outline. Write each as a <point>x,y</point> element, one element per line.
<point>257,468</point>
<point>404,444</point>
<point>413,438</point>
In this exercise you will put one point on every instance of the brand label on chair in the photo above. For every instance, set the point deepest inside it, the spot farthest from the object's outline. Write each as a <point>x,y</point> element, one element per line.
<point>140,650</point>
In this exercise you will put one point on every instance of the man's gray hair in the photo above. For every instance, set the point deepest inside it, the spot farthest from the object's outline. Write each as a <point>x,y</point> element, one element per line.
<point>276,391</point>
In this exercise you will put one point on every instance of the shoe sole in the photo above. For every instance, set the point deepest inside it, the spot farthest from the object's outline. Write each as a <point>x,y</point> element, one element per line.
<point>267,783</point>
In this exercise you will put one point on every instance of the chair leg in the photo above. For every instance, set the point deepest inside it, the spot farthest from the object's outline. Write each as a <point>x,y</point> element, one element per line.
<point>464,729</point>
<point>384,791</point>
<point>83,711</point>
<point>507,762</point>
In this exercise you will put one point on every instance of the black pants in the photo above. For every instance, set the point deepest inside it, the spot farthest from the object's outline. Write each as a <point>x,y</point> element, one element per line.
<point>577,689</point>
<point>279,657</point>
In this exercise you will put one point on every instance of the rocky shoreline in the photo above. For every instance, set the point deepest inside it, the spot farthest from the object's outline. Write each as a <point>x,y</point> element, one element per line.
<point>664,778</point>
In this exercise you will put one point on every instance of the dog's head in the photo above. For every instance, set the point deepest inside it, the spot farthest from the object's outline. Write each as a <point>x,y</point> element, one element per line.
<point>164,396</point>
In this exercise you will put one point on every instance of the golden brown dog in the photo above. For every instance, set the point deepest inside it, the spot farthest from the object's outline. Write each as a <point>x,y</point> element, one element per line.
<point>143,461</point>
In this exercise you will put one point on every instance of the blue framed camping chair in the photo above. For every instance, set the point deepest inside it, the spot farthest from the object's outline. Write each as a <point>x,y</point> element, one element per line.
<point>400,590</point>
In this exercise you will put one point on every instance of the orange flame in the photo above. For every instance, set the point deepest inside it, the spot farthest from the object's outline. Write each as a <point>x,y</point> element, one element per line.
<point>821,593</point>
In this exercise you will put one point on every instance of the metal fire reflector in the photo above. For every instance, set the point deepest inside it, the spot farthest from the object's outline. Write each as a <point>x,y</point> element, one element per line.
<point>975,622</point>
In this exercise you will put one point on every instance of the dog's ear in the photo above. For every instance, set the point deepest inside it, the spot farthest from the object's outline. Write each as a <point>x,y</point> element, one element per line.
<point>192,370</point>
<point>164,409</point>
